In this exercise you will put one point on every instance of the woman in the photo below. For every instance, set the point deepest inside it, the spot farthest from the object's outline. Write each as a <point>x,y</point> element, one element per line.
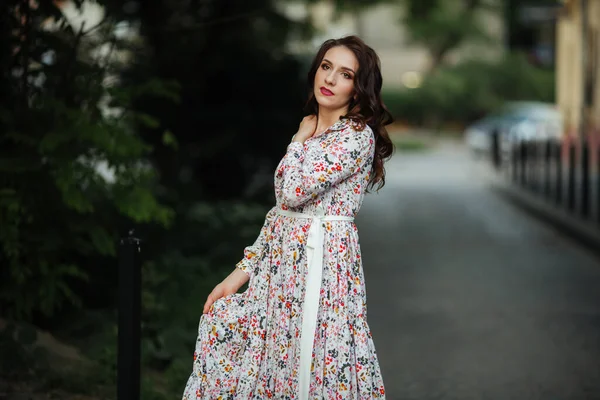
<point>300,331</point>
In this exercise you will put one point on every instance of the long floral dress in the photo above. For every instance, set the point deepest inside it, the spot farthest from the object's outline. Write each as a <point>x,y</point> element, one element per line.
<point>249,343</point>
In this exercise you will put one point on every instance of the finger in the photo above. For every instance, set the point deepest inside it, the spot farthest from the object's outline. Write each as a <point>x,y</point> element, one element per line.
<point>208,303</point>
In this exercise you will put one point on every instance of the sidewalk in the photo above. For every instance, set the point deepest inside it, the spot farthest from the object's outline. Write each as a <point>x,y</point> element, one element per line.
<point>467,294</point>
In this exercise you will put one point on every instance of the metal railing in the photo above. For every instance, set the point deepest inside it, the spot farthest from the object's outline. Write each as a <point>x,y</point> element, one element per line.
<point>560,172</point>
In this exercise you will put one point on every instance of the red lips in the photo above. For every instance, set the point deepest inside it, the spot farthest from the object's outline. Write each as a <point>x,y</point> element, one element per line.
<point>325,91</point>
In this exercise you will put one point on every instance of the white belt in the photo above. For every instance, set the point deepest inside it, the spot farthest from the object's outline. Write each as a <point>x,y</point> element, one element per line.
<point>314,243</point>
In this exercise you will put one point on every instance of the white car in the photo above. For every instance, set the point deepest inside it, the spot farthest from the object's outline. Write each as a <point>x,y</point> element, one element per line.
<point>517,121</point>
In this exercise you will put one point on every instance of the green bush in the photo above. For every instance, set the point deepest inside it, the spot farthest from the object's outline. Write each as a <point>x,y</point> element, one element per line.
<point>61,211</point>
<point>467,91</point>
<point>210,239</point>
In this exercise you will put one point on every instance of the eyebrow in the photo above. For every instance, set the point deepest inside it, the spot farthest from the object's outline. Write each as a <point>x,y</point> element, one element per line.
<point>346,68</point>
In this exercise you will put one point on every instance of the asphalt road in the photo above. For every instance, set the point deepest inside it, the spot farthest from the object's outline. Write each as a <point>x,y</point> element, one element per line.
<point>471,298</point>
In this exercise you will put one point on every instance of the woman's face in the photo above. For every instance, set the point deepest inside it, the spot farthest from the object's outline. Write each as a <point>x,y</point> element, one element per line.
<point>334,80</point>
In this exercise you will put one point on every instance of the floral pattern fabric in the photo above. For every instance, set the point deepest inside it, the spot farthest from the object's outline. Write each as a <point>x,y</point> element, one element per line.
<point>248,344</point>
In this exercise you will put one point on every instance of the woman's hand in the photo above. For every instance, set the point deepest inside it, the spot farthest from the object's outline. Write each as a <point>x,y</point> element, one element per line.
<point>230,285</point>
<point>307,128</point>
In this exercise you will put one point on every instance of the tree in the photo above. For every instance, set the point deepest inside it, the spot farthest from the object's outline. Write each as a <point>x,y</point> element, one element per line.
<point>73,172</point>
<point>441,26</point>
<point>438,25</point>
<point>241,98</point>
<point>356,9</point>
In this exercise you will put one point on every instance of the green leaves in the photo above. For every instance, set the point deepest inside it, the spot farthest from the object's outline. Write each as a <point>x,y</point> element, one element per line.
<point>125,97</point>
<point>103,241</point>
<point>14,165</point>
<point>146,120</point>
<point>442,26</point>
<point>464,92</point>
<point>53,289</point>
<point>73,167</point>
<point>140,205</point>
<point>170,140</point>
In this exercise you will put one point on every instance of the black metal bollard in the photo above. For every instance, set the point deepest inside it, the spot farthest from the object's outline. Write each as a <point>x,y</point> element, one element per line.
<point>585,180</point>
<point>523,162</point>
<point>536,166</point>
<point>559,172</point>
<point>515,162</point>
<point>496,157</point>
<point>571,179</point>
<point>547,168</point>
<point>598,182</point>
<point>532,165</point>
<point>129,347</point>
<point>528,166</point>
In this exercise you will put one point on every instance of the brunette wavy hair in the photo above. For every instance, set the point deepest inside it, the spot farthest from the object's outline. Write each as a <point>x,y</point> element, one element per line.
<point>364,108</point>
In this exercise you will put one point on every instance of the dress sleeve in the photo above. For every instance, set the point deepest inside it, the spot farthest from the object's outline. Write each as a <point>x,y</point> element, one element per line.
<point>253,253</point>
<point>304,178</point>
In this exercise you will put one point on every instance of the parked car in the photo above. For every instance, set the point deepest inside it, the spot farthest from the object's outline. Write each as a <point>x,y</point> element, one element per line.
<point>516,121</point>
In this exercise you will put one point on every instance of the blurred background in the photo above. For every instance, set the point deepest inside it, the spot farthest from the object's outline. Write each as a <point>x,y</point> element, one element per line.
<point>169,117</point>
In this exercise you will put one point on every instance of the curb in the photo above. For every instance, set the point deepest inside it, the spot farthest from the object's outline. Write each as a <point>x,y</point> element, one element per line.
<point>582,231</point>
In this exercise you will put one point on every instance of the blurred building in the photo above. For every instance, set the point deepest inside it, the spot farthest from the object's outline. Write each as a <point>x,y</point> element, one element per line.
<point>578,64</point>
<point>381,28</point>
<point>531,29</point>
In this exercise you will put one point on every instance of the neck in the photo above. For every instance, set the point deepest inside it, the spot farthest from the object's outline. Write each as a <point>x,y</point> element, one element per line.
<point>328,117</point>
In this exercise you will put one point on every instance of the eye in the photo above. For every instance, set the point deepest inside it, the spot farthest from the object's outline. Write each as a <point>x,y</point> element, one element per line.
<point>325,66</point>
<point>347,75</point>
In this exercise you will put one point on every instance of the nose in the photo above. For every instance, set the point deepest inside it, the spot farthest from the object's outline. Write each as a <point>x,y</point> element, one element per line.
<point>330,78</point>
